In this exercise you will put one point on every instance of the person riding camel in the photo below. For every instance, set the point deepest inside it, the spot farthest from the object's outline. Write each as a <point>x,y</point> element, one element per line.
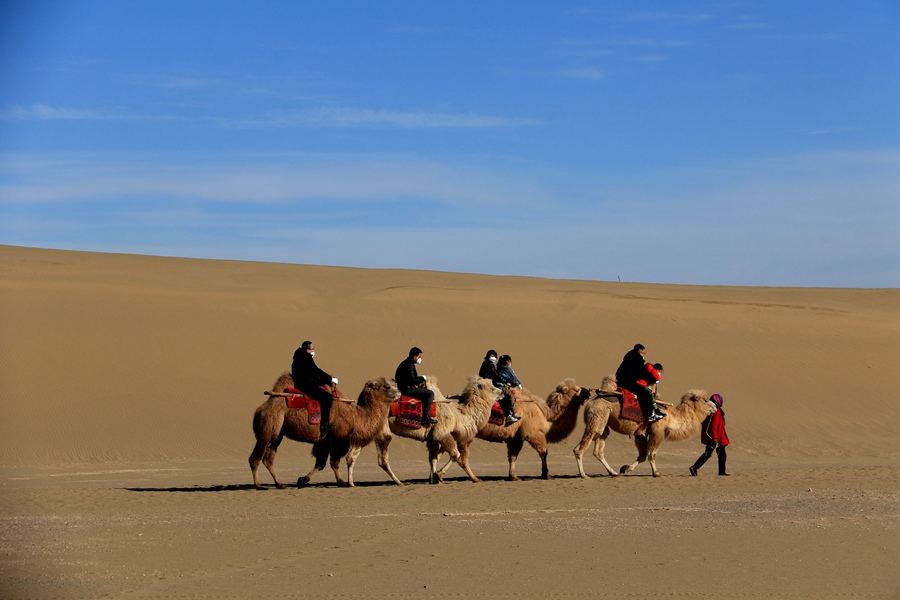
<point>309,379</point>
<point>632,370</point>
<point>411,384</point>
<point>488,370</point>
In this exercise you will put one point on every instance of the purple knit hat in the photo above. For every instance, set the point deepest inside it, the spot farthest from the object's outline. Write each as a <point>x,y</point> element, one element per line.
<point>717,398</point>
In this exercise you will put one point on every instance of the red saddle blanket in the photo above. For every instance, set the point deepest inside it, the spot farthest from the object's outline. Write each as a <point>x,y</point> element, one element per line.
<point>298,399</point>
<point>631,408</point>
<point>409,411</point>
<point>497,416</point>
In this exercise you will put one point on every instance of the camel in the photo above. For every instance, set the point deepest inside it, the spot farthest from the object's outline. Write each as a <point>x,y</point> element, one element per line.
<point>542,422</point>
<point>357,425</point>
<point>603,414</point>
<point>458,422</point>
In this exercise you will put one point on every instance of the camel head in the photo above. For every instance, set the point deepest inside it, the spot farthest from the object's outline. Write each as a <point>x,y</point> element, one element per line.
<point>478,387</point>
<point>376,389</point>
<point>568,391</point>
<point>698,401</point>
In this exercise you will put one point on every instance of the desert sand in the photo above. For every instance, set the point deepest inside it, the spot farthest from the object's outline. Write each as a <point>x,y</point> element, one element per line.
<point>128,385</point>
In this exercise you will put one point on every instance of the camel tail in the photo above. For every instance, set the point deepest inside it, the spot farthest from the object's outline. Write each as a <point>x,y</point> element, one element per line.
<point>257,422</point>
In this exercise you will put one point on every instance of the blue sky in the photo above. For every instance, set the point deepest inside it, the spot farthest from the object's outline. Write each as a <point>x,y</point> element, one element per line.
<point>726,143</point>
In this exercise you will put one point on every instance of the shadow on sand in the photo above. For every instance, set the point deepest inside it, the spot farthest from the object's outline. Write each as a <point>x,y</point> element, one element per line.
<point>325,484</point>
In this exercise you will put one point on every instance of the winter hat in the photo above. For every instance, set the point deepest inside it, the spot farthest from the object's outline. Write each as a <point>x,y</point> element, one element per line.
<point>717,398</point>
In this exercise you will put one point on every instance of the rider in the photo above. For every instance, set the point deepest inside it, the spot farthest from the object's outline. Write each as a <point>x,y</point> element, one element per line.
<point>651,380</point>
<point>308,378</point>
<point>488,370</point>
<point>632,369</point>
<point>412,384</point>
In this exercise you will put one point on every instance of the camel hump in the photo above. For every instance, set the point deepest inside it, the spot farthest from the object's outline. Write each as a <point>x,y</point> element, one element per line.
<point>609,384</point>
<point>283,382</point>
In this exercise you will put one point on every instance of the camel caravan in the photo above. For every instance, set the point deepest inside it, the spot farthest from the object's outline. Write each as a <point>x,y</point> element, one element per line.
<point>306,405</point>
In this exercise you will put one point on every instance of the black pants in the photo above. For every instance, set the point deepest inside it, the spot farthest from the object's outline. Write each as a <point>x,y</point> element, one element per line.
<point>644,397</point>
<point>508,404</point>
<point>324,398</point>
<point>425,396</point>
<point>720,451</point>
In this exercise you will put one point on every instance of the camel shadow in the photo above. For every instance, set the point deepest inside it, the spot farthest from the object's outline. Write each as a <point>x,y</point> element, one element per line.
<point>360,484</point>
<point>195,488</point>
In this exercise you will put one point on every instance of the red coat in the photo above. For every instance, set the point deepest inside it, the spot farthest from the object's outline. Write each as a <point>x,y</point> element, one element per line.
<point>651,377</point>
<point>713,429</point>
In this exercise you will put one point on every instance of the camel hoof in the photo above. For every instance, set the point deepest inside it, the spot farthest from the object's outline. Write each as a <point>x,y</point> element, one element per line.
<point>279,485</point>
<point>623,469</point>
<point>302,482</point>
<point>547,476</point>
<point>476,480</point>
<point>514,478</point>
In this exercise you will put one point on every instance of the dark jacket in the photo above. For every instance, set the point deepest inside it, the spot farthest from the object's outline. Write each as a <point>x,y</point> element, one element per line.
<point>632,368</point>
<point>505,374</point>
<point>305,373</point>
<point>406,376</point>
<point>488,370</point>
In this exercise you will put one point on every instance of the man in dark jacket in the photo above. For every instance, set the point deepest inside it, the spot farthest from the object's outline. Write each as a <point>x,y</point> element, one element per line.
<point>409,382</point>
<point>632,369</point>
<point>488,370</point>
<point>309,379</point>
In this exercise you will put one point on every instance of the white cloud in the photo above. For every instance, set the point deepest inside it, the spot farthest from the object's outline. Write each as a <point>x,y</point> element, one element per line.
<point>27,180</point>
<point>44,112</point>
<point>363,117</point>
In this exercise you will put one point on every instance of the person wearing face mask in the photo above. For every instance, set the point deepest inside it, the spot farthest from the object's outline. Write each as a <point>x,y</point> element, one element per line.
<point>488,370</point>
<point>309,379</point>
<point>411,384</point>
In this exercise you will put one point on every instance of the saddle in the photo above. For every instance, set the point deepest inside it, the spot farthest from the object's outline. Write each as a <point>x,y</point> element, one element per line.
<point>631,408</point>
<point>497,417</point>
<point>409,411</point>
<point>297,399</point>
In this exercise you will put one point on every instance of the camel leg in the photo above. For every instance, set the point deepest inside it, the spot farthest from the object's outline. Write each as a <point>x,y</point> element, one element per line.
<point>653,443</point>
<point>640,442</point>
<point>594,425</point>
<point>320,451</point>
<point>446,466</point>
<point>448,446</point>
<point>336,467</point>
<point>599,445</point>
<point>254,460</point>
<point>304,481</point>
<point>382,443</point>
<point>434,451</point>
<point>268,459</point>
<point>338,450</point>
<point>351,460</point>
<point>591,429</point>
<point>463,461</point>
<point>513,447</point>
<point>539,443</point>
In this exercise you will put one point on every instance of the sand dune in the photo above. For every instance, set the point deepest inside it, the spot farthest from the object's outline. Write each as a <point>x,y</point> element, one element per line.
<point>123,358</point>
<point>127,383</point>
